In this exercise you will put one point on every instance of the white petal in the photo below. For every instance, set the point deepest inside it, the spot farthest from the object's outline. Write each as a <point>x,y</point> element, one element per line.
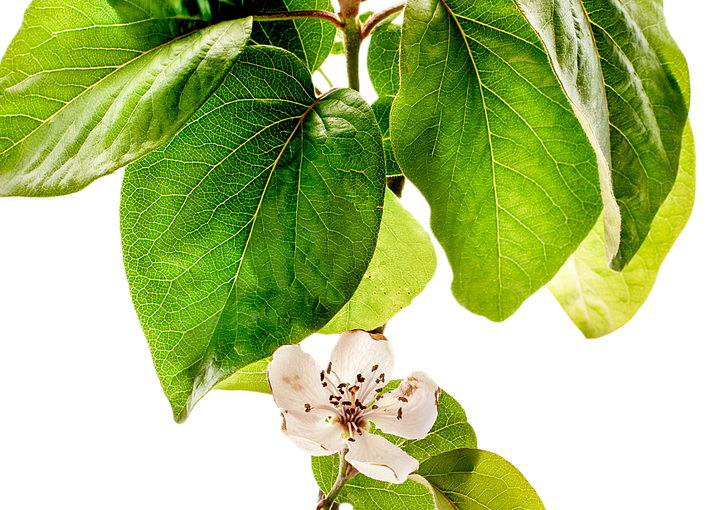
<point>378,458</point>
<point>356,352</point>
<point>294,378</point>
<point>410,410</point>
<point>312,434</point>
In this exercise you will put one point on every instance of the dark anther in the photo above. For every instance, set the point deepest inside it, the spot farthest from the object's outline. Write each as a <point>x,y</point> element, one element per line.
<point>351,439</point>
<point>308,408</point>
<point>374,407</point>
<point>322,375</point>
<point>375,367</point>
<point>403,399</point>
<point>399,416</point>
<point>382,377</point>
<point>360,378</point>
<point>324,384</point>
<point>347,403</point>
<point>359,404</point>
<point>378,390</point>
<point>329,368</point>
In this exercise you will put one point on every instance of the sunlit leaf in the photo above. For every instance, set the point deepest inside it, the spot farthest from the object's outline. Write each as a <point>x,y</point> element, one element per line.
<point>482,127</point>
<point>86,88</point>
<point>252,377</point>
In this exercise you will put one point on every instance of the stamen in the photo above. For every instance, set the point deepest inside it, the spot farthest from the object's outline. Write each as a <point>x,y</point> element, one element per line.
<point>399,416</point>
<point>360,378</point>
<point>375,367</point>
<point>322,375</point>
<point>374,407</point>
<point>403,399</point>
<point>329,368</point>
<point>308,408</point>
<point>352,440</point>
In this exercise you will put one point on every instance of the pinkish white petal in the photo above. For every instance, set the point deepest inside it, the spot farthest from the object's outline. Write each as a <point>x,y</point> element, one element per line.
<point>294,378</point>
<point>313,434</point>
<point>410,410</point>
<point>356,352</point>
<point>378,458</point>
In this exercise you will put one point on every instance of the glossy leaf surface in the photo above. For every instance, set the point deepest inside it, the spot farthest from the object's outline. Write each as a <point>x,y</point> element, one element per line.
<point>383,60</point>
<point>493,144</point>
<point>381,108</point>
<point>310,39</point>
<point>86,89</point>
<point>645,84</point>
<point>254,226</point>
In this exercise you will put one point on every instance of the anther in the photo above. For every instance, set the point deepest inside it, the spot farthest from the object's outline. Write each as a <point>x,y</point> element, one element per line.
<point>360,378</point>
<point>352,440</point>
<point>329,368</point>
<point>399,416</point>
<point>375,367</point>
<point>374,407</point>
<point>322,375</point>
<point>403,399</point>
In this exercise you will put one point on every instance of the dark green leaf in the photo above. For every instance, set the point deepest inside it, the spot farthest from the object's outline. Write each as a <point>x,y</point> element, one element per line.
<point>648,104</point>
<point>310,39</point>
<point>381,108</point>
<point>88,88</point>
<point>254,226</point>
<point>483,128</point>
<point>383,59</point>
<point>252,377</point>
<point>564,29</point>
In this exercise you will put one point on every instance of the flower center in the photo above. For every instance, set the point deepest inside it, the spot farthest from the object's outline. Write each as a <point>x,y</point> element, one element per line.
<point>352,402</point>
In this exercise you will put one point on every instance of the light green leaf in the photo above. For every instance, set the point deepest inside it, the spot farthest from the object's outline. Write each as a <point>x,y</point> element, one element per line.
<point>473,479</point>
<point>599,300</point>
<point>450,431</point>
<point>254,226</point>
<point>383,60</point>
<point>648,100</point>
<point>403,263</point>
<point>88,88</point>
<point>482,127</point>
<point>310,39</point>
<point>252,377</point>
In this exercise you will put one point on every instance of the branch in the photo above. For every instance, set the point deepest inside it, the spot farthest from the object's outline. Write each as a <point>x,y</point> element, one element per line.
<point>323,15</point>
<point>376,18</point>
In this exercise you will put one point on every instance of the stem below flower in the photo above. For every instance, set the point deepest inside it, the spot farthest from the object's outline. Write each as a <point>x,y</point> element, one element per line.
<point>345,473</point>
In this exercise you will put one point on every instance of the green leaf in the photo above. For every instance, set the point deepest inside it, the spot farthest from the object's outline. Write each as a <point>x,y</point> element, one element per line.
<point>383,60</point>
<point>473,479</point>
<point>648,109</point>
<point>403,263</point>
<point>491,141</point>
<point>450,431</point>
<point>599,300</point>
<point>310,39</point>
<point>381,108</point>
<point>254,226</point>
<point>86,88</point>
<point>564,29</point>
<point>252,377</point>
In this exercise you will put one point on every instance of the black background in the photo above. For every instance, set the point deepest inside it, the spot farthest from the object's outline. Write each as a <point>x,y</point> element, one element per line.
<point>582,419</point>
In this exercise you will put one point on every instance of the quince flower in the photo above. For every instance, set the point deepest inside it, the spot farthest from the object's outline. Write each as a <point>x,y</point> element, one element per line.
<point>327,411</point>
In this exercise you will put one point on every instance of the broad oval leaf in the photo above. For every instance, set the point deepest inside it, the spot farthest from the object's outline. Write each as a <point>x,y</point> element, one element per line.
<point>403,263</point>
<point>599,300</point>
<point>254,226</point>
<point>252,377</point>
<point>473,479</point>
<point>483,128</point>
<point>381,108</point>
<point>86,89</point>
